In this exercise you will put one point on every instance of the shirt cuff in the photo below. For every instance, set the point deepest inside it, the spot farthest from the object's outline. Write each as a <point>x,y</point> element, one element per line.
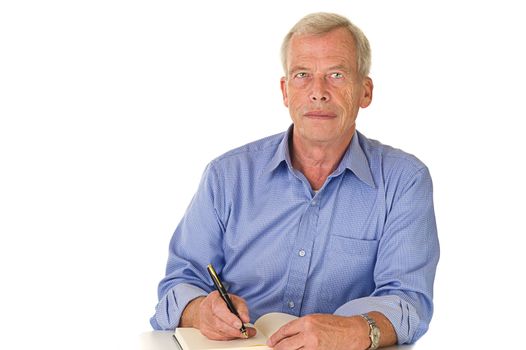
<point>401,314</point>
<point>171,306</point>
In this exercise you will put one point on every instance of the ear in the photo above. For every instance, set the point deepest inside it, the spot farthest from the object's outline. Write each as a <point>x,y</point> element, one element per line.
<point>367,95</point>
<point>283,85</point>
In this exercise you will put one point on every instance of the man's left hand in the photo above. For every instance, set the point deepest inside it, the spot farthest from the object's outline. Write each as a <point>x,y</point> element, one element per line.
<point>322,331</point>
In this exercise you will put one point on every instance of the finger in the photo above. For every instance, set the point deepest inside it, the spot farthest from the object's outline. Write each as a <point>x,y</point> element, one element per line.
<point>289,343</point>
<point>212,323</point>
<point>216,334</point>
<point>290,329</point>
<point>241,307</point>
<point>221,311</point>
<point>251,332</point>
<point>227,329</point>
<point>216,329</point>
<point>213,334</point>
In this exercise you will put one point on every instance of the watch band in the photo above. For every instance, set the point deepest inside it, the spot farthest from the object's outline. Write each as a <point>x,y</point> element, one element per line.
<point>374,332</point>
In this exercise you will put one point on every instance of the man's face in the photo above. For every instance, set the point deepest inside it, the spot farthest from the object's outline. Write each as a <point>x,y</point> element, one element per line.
<point>323,89</point>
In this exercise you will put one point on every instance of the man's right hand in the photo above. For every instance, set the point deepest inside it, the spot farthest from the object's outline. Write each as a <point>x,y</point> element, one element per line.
<point>213,318</point>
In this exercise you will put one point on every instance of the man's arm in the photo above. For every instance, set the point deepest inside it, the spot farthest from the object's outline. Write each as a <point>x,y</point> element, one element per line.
<point>196,242</point>
<point>407,257</point>
<point>323,331</point>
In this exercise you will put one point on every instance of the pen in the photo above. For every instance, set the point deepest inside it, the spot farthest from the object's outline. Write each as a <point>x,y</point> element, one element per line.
<point>222,291</point>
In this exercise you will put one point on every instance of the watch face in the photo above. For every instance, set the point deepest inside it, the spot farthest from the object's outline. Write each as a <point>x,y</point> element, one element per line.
<point>375,334</point>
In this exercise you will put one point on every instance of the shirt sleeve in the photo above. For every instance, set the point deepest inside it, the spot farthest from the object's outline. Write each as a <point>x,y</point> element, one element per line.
<point>195,243</point>
<point>407,257</point>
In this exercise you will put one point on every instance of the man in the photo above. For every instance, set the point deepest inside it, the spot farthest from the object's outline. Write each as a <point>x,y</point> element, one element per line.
<point>319,222</point>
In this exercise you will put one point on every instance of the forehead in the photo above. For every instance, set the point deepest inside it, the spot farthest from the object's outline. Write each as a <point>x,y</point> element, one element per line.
<point>336,45</point>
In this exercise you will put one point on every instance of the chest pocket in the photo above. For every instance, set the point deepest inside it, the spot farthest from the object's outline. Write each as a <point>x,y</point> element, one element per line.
<point>350,267</point>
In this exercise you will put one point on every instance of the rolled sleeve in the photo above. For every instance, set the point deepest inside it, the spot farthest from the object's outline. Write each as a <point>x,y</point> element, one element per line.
<point>170,308</point>
<point>401,314</point>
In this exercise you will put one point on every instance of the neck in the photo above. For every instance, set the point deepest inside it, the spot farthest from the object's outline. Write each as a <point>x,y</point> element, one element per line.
<point>316,160</point>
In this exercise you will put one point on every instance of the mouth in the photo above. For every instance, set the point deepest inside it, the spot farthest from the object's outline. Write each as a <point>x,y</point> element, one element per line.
<point>320,115</point>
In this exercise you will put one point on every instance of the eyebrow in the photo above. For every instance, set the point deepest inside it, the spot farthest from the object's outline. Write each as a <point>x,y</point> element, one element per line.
<point>340,67</point>
<point>298,68</point>
<point>332,68</point>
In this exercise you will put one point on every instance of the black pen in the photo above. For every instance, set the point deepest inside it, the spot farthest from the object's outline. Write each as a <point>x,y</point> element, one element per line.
<point>222,291</point>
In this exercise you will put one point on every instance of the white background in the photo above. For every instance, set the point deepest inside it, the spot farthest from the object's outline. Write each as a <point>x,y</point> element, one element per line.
<point>110,111</point>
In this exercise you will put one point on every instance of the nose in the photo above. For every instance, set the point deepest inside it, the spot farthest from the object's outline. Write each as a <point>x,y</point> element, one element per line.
<point>319,90</point>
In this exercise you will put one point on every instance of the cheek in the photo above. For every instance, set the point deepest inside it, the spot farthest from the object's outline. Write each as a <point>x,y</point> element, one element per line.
<point>296,93</point>
<point>349,100</point>
<point>294,101</point>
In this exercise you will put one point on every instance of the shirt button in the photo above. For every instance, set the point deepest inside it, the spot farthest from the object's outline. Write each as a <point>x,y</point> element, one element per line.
<point>291,304</point>
<point>314,203</point>
<point>301,252</point>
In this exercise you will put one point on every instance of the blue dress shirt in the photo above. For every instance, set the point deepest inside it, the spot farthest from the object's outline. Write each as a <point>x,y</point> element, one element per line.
<point>366,241</point>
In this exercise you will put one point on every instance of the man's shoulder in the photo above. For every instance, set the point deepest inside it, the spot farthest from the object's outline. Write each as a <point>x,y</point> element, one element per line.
<point>260,149</point>
<point>382,155</point>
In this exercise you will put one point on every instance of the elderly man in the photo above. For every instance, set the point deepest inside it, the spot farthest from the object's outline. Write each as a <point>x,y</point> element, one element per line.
<point>319,221</point>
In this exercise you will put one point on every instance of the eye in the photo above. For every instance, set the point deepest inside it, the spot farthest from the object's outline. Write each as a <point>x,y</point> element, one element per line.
<point>337,75</point>
<point>300,75</point>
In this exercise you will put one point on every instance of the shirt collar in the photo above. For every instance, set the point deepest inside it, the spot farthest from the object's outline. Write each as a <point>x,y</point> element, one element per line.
<point>356,161</point>
<point>282,153</point>
<point>354,158</point>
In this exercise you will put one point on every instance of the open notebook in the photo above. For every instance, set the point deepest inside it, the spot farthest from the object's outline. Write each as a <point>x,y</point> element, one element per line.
<point>266,325</point>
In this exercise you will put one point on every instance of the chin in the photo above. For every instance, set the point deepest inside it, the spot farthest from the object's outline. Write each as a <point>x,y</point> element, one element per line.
<point>319,138</point>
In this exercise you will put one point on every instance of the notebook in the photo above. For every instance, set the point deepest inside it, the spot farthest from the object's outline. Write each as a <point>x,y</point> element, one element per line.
<point>191,338</point>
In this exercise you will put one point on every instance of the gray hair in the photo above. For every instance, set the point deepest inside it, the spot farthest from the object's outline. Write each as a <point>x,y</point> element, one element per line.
<point>323,22</point>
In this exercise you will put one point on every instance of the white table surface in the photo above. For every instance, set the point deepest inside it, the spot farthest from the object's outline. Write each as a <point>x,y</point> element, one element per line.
<point>162,340</point>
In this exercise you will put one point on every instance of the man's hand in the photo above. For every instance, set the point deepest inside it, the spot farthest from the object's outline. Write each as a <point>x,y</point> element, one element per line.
<point>211,316</point>
<point>322,331</point>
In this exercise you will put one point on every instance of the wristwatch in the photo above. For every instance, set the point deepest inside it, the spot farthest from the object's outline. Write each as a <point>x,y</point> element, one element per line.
<point>374,332</point>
